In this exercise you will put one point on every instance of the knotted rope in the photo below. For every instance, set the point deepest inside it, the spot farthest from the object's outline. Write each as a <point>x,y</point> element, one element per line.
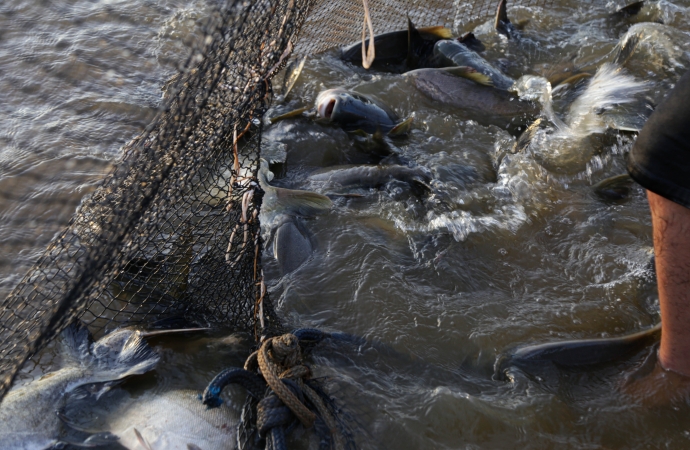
<point>279,360</point>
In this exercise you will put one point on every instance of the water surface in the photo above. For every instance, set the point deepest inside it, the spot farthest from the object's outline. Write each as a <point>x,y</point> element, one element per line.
<point>511,248</point>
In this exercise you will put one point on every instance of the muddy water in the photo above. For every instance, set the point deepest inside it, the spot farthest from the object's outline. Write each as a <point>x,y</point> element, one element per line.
<point>509,249</point>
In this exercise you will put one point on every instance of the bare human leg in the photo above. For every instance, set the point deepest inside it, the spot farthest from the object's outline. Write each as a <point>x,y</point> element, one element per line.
<point>671,223</point>
<point>668,379</point>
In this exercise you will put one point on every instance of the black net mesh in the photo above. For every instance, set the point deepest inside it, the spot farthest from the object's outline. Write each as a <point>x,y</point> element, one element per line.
<point>174,229</point>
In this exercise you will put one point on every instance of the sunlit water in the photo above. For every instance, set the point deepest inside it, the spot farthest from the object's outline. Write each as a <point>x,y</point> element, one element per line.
<point>510,248</point>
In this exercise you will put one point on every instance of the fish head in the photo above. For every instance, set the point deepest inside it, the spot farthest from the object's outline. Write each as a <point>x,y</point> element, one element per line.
<point>328,103</point>
<point>354,111</point>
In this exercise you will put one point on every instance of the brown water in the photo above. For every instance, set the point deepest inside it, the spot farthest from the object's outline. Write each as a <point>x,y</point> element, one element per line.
<point>512,249</point>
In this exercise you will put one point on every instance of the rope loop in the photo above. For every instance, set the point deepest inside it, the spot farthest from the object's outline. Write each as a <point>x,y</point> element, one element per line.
<point>367,56</point>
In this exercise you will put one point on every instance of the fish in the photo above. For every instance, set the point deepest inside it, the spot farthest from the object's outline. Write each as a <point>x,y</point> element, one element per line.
<point>293,244</point>
<point>28,414</point>
<point>290,201</point>
<point>153,420</point>
<point>652,47</point>
<point>484,104</point>
<point>370,176</point>
<point>450,53</point>
<point>393,49</point>
<point>614,189</point>
<point>355,112</point>
<point>573,354</point>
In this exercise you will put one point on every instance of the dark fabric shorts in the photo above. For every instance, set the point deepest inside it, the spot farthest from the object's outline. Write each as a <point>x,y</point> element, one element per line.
<point>660,158</point>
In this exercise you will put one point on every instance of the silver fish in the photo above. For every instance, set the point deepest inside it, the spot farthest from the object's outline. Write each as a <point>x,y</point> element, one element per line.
<point>28,414</point>
<point>355,112</point>
<point>484,104</point>
<point>172,420</point>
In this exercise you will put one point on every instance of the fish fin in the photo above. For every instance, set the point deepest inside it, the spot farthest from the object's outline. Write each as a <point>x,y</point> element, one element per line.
<point>438,31</point>
<point>102,438</point>
<point>470,41</point>
<point>470,74</point>
<point>501,19</point>
<point>292,73</point>
<point>122,353</point>
<point>630,10</point>
<point>625,50</point>
<point>414,42</point>
<point>402,128</point>
<point>141,440</point>
<point>304,203</point>
<point>289,115</point>
<point>76,342</point>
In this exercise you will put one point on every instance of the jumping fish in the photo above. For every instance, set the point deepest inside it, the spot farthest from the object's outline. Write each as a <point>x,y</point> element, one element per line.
<point>354,112</point>
<point>577,353</point>
<point>484,104</point>
<point>28,414</point>
<point>290,201</point>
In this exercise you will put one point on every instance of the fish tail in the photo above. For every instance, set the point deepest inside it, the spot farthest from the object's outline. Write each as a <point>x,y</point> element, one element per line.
<point>118,355</point>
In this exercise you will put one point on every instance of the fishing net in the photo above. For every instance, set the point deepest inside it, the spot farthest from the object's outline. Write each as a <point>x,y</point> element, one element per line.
<point>173,230</point>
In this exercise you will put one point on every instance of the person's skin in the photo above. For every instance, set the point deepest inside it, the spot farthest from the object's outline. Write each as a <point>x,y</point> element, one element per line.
<point>671,229</point>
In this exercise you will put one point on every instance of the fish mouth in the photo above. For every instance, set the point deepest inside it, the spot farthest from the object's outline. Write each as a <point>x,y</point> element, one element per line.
<point>326,107</point>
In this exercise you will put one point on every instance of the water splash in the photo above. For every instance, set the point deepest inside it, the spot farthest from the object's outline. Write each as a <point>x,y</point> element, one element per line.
<point>536,88</point>
<point>522,186</point>
<point>608,89</point>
